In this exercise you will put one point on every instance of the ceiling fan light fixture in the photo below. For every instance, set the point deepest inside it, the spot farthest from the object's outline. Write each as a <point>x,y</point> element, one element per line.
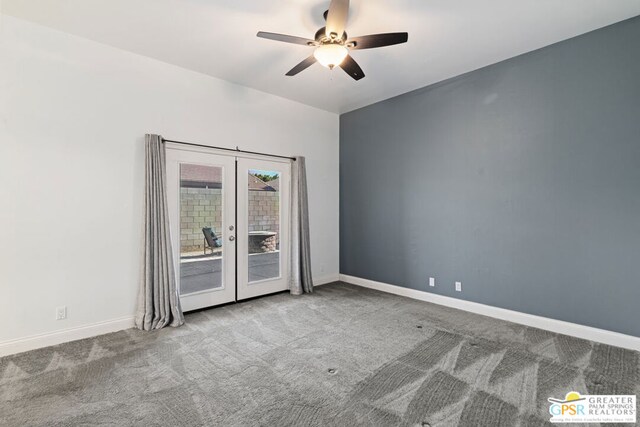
<point>331,55</point>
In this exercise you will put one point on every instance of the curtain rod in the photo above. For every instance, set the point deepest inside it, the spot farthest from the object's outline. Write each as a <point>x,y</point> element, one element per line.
<point>237,150</point>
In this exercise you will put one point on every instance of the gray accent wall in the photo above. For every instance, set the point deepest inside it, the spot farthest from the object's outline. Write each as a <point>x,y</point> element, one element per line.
<point>521,180</point>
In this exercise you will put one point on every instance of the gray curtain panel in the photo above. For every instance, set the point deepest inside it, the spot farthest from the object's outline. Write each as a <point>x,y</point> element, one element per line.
<point>300,277</point>
<point>158,301</point>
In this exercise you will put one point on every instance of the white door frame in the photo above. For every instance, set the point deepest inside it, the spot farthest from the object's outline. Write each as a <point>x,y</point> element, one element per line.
<point>236,284</point>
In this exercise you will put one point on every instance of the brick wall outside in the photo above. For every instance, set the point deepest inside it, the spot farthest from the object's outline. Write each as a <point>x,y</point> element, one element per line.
<point>263,211</point>
<point>199,208</point>
<point>202,207</point>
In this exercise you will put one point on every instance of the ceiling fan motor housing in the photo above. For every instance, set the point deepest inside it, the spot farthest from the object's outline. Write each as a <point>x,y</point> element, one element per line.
<point>321,37</point>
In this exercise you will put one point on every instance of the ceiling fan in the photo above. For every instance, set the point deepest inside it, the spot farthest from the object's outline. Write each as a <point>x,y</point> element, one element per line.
<point>332,44</point>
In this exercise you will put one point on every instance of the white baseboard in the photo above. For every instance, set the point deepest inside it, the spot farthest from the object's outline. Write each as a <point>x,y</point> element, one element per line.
<point>65,335</point>
<point>558,326</point>
<point>580,331</point>
<point>319,281</point>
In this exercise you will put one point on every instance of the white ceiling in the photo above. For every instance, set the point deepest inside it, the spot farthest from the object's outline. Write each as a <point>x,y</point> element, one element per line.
<point>217,37</point>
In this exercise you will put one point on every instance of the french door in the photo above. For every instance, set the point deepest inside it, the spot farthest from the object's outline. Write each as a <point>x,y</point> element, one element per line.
<point>229,225</point>
<point>263,223</point>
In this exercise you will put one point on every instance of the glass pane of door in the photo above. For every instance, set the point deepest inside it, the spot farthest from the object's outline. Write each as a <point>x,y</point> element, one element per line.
<point>201,244</point>
<point>263,224</point>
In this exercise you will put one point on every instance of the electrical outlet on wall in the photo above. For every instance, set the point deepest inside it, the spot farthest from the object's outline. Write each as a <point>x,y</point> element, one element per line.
<point>432,281</point>
<point>61,312</point>
<point>458,286</point>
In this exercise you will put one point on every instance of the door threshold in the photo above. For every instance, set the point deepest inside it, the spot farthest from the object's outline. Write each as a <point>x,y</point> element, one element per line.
<point>234,302</point>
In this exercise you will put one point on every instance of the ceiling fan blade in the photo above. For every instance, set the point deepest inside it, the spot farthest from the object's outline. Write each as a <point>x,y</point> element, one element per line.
<point>377,40</point>
<point>287,39</point>
<point>302,66</point>
<point>352,68</point>
<point>337,18</point>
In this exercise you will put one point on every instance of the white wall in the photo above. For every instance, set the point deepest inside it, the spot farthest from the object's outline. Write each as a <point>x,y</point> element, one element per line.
<point>73,114</point>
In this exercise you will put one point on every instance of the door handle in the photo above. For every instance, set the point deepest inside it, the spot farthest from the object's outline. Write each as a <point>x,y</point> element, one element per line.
<point>232,238</point>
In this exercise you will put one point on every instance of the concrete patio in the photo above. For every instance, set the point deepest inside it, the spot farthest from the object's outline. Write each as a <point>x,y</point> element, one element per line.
<point>204,273</point>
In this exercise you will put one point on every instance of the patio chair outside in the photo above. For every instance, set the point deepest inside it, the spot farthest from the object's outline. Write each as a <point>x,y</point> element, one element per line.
<point>211,241</point>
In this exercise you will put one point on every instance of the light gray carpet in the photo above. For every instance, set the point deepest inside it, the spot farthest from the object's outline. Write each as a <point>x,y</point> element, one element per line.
<point>342,356</point>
